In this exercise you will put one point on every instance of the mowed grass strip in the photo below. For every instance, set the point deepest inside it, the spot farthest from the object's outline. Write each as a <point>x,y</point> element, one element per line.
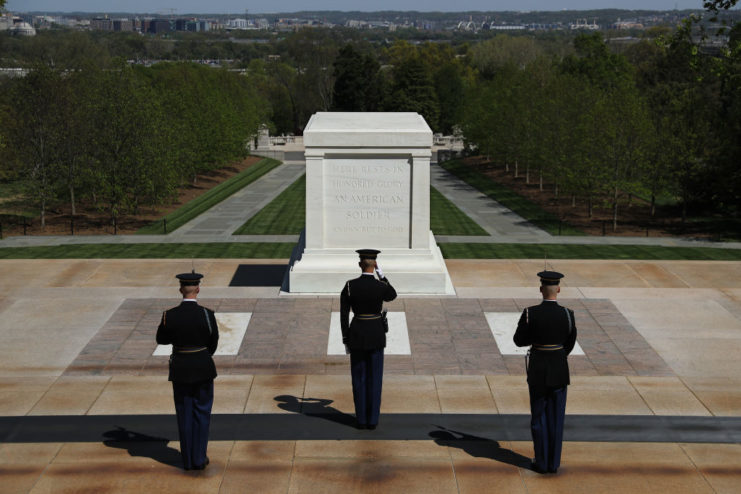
<point>224,250</point>
<point>586,251</point>
<point>212,197</point>
<point>286,215</point>
<point>282,250</point>
<point>447,219</point>
<point>509,199</point>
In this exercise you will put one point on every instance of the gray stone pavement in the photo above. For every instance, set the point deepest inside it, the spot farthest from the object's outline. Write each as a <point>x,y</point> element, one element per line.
<point>223,219</point>
<point>498,221</point>
<point>218,223</point>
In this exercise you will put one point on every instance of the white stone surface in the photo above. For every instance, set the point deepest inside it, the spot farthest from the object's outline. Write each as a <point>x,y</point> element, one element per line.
<point>367,197</point>
<point>367,129</point>
<point>367,186</point>
<point>232,327</point>
<point>397,339</point>
<point>503,326</point>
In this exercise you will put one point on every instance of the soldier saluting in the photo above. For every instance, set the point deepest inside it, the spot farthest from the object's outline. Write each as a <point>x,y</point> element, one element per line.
<point>193,333</point>
<point>550,331</point>
<point>365,336</point>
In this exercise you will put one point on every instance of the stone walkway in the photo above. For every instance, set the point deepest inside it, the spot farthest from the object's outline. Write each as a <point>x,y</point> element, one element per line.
<point>498,221</point>
<point>222,220</point>
<point>654,405</point>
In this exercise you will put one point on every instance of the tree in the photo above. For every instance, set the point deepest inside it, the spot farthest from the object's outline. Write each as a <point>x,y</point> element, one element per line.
<point>277,96</point>
<point>449,85</point>
<point>413,91</point>
<point>124,113</point>
<point>310,53</point>
<point>716,5</point>
<point>492,55</point>
<point>595,63</point>
<point>355,77</point>
<point>31,125</point>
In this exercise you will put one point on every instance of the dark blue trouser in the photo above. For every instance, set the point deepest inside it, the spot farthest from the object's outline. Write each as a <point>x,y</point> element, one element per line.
<point>366,368</point>
<point>547,413</point>
<point>193,402</point>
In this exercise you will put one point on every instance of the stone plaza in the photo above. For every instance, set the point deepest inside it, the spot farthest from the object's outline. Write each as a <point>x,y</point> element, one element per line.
<point>654,405</point>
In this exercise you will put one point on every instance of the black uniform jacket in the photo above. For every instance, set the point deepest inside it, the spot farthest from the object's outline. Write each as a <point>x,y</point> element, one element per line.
<point>547,324</point>
<point>186,327</point>
<point>365,296</point>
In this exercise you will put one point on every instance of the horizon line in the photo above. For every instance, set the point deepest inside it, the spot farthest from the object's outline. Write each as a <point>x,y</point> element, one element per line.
<point>363,11</point>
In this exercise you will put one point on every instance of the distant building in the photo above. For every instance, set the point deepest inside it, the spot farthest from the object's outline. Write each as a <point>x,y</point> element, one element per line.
<point>16,26</point>
<point>6,22</point>
<point>123,25</point>
<point>159,26</point>
<point>507,27</point>
<point>633,24</point>
<point>237,24</point>
<point>101,24</point>
<point>22,29</point>
<point>583,24</point>
<point>262,23</point>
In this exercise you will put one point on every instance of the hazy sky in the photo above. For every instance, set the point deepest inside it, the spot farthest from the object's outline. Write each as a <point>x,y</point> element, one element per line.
<point>237,6</point>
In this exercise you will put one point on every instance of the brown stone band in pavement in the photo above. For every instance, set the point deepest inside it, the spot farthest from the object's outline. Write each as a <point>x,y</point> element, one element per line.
<point>446,335</point>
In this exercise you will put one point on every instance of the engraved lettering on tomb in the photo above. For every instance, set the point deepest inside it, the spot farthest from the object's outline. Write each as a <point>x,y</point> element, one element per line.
<point>371,197</point>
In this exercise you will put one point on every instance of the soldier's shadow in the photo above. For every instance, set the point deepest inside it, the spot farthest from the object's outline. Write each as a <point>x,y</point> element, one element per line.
<point>479,447</point>
<point>314,407</point>
<point>143,445</point>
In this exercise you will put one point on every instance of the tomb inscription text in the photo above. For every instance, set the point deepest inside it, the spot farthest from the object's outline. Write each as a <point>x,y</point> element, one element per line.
<point>367,198</point>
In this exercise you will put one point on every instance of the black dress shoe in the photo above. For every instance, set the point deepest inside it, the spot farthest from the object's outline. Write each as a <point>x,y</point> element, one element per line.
<point>361,426</point>
<point>372,427</point>
<point>535,468</point>
<point>202,467</point>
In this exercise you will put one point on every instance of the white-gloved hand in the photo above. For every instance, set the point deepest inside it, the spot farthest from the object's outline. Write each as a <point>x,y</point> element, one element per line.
<point>379,271</point>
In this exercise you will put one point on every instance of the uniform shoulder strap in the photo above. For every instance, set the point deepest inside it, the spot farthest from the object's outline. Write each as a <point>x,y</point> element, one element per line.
<point>208,321</point>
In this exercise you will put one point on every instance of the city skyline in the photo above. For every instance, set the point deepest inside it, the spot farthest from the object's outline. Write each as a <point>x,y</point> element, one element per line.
<point>239,6</point>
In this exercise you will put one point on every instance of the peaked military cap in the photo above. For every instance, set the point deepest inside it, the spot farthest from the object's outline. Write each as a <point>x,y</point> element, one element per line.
<point>189,279</point>
<point>550,277</point>
<point>368,253</point>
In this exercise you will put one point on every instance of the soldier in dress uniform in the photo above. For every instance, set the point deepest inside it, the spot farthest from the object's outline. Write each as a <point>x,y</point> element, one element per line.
<point>365,336</point>
<point>550,331</point>
<point>194,334</point>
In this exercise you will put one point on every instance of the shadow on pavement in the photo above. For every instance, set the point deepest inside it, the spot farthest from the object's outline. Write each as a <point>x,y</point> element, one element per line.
<point>143,445</point>
<point>314,407</point>
<point>479,447</point>
<point>259,275</point>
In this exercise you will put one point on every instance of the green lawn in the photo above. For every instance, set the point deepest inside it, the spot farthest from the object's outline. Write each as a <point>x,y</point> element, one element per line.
<point>509,199</point>
<point>266,250</point>
<point>286,215</point>
<point>582,251</point>
<point>447,219</point>
<point>254,250</point>
<point>206,201</point>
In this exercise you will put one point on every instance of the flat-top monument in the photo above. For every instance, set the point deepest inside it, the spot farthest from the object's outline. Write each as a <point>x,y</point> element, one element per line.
<point>368,186</point>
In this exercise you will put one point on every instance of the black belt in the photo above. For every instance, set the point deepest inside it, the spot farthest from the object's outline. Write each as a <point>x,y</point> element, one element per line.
<point>548,348</point>
<point>367,317</point>
<point>186,349</point>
